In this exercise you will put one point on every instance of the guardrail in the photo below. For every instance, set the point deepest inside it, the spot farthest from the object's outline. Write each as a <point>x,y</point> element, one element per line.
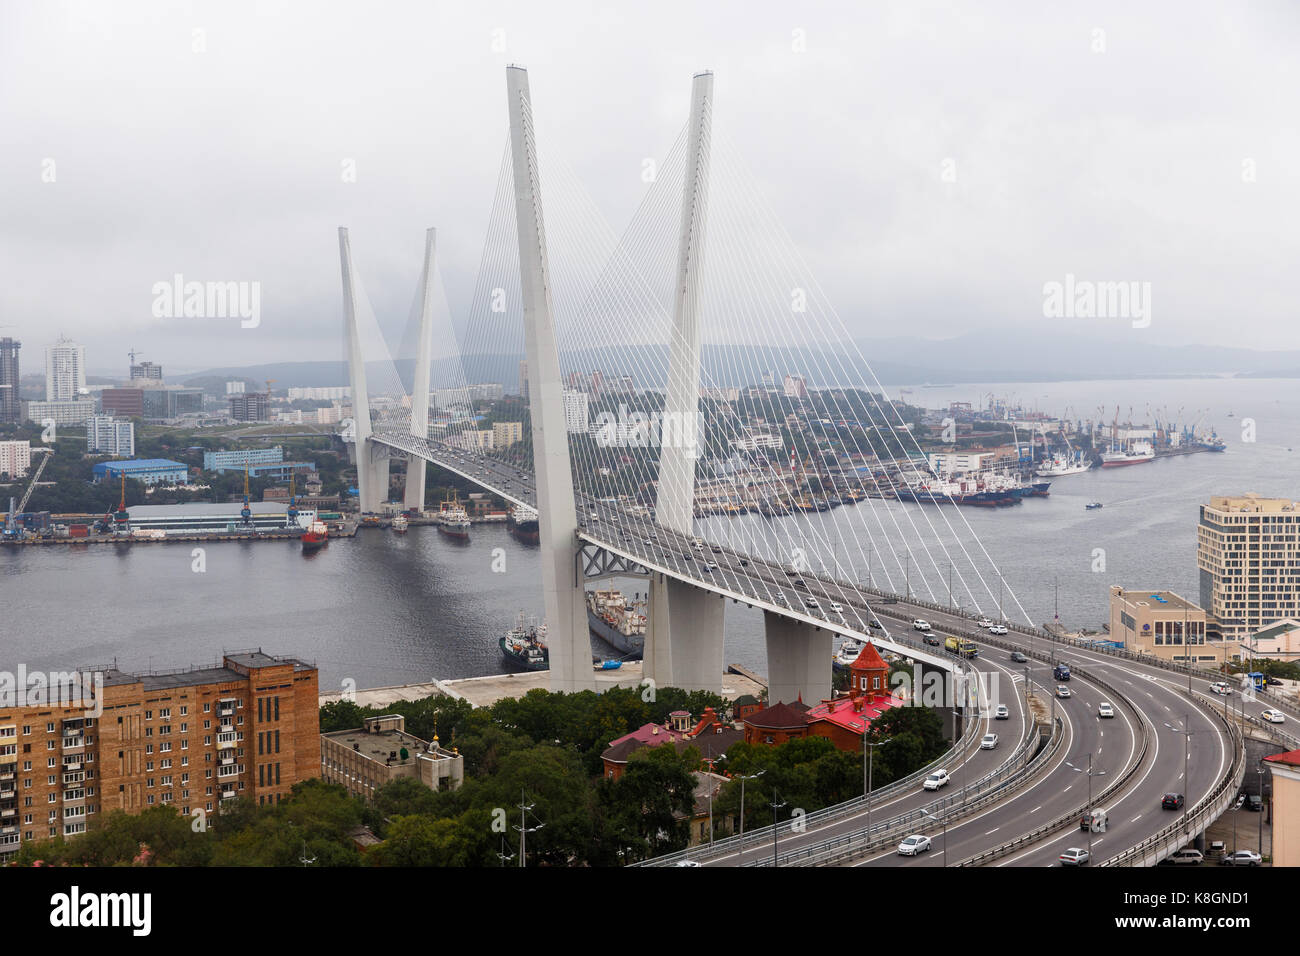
<point>1040,632</point>
<point>1155,848</point>
<point>850,846</point>
<point>1072,816</point>
<point>848,808</point>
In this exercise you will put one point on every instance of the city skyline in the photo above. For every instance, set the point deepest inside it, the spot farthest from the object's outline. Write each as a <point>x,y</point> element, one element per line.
<point>939,210</point>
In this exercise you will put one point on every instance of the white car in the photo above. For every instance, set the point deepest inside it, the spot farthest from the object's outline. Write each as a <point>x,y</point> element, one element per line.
<point>936,780</point>
<point>1105,710</point>
<point>836,607</point>
<point>1075,856</point>
<point>988,741</point>
<point>1274,716</point>
<point>984,622</point>
<point>1002,713</point>
<point>810,603</point>
<point>1221,688</point>
<point>998,629</point>
<point>913,845</point>
<point>920,625</point>
<point>1062,690</point>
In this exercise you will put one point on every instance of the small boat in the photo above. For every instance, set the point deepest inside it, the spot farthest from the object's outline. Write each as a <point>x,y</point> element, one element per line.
<point>401,523</point>
<point>609,665</point>
<point>1092,505</point>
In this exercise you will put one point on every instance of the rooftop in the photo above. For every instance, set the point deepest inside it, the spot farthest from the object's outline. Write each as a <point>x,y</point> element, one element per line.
<point>1158,600</point>
<point>196,675</point>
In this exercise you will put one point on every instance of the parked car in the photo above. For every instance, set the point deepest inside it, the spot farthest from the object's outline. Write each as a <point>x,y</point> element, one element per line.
<point>1105,710</point>
<point>1187,856</point>
<point>1002,713</point>
<point>920,625</point>
<point>1019,658</point>
<point>1075,856</point>
<point>1171,801</point>
<point>988,742</point>
<point>998,629</point>
<point>936,780</point>
<point>913,845</point>
<point>1062,690</point>
<point>1274,716</point>
<point>1254,802</point>
<point>1242,858</point>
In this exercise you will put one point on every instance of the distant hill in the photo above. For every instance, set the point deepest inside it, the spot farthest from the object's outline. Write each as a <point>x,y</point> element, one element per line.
<point>1018,355</point>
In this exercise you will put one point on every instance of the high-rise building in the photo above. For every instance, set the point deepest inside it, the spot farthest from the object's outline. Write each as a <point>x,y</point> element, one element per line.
<point>65,371</point>
<point>15,458</point>
<point>235,388</point>
<point>249,406</point>
<point>124,402</point>
<point>1248,555</point>
<point>192,739</point>
<point>10,405</point>
<point>107,435</point>
<point>146,372</point>
<point>576,417</point>
<point>505,434</point>
<point>523,378</point>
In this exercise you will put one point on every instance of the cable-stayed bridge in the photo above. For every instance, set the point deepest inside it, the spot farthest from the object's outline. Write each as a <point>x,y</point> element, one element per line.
<point>694,410</point>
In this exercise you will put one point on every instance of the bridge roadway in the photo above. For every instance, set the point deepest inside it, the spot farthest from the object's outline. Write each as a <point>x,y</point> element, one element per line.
<point>1160,694</point>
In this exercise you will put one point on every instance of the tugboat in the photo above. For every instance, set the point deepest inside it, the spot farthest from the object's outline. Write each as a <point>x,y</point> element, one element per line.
<point>400,523</point>
<point>524,647</point>
<point>453,520</point>
<point>315,537</point>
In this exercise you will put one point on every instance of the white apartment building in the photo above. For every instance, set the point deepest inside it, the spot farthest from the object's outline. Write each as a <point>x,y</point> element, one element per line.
<point>15,458</point>
<point>330,394</point>
<point>65,371</point>
<point>576,411</point>
<point>111,436</point>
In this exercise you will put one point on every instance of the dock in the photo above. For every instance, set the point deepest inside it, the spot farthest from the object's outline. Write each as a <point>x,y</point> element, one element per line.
<point>486,691</point>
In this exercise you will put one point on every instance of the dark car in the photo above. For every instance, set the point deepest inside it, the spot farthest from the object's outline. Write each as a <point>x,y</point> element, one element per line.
<point>1253,802</point>
<point>1171,801</point>
<point>932,640</point>
<point>801,583</point>
<point>1019,658</point>
<point>875,623</point>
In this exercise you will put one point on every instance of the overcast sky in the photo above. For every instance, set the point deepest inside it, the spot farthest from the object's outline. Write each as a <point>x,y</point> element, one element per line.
<point>936,168</point>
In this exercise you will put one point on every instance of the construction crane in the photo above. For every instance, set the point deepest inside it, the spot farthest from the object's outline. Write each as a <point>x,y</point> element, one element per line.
<point>132,354</point>
<point>246,513</point>
<point>11,528</point>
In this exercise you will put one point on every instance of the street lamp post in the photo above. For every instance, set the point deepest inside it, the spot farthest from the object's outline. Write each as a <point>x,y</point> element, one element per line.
<point>943,822</point>
<point>1186,731</point>
<point>776,805</point>
<point>743,778</point>
<point>1091,773</point>
<point>1260,774</point>
<point>869,748</point>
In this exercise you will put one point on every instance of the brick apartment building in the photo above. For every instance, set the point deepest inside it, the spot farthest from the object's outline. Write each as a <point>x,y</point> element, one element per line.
<point>190,739</point>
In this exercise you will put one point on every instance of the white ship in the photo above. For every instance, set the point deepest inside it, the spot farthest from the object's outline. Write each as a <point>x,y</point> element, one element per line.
<point>1139,452</point>
<point>1059,465</point>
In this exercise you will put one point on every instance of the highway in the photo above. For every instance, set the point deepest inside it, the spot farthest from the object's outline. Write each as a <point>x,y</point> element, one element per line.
<point>1159,694</point>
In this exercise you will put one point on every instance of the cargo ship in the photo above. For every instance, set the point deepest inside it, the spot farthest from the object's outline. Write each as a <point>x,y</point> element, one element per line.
<point>315,537</point>
<point>453,520</point>
<point>1060,465</point>
<point>524,646</point>
<point>521,522</point>
<point>1138,453</point>
<point>618,621</point>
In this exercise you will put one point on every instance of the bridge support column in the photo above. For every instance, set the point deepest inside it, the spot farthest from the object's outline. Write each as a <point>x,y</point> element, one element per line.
<point>562,589</point>
<point>371,462</point>
<point>415,465</point>
<point>684,636</point>
<point>798,660</point>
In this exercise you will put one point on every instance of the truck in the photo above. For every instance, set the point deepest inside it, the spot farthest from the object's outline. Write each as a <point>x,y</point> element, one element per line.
<point>1062,672</point>
<point>957,645</point>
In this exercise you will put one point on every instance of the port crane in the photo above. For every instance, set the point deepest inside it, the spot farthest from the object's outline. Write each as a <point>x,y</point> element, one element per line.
<point>11,528</point>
